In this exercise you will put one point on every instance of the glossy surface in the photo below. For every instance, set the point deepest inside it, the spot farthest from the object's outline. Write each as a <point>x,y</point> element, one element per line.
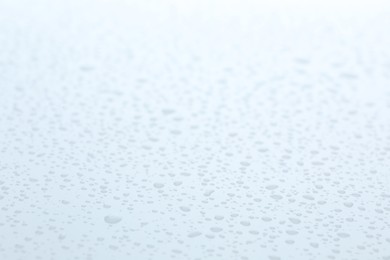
<point>186,130</point>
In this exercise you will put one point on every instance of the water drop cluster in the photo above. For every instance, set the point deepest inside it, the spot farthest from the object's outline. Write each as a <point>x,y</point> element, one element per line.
<point>149,130</point>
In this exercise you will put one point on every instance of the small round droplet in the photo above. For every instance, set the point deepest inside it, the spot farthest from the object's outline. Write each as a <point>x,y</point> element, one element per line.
<point>158,185</point>
<point>111,219</point>
<point>184,208</point>
<point>194,234</point>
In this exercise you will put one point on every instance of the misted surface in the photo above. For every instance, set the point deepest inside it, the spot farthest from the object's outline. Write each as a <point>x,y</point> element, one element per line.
<point>194,130</point>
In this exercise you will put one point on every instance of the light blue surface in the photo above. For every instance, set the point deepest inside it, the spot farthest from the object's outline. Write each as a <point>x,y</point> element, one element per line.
<point>165,130</point>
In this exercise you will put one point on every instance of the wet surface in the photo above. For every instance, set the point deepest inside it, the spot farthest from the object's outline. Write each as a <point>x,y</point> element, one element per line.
<point>160,130</point>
